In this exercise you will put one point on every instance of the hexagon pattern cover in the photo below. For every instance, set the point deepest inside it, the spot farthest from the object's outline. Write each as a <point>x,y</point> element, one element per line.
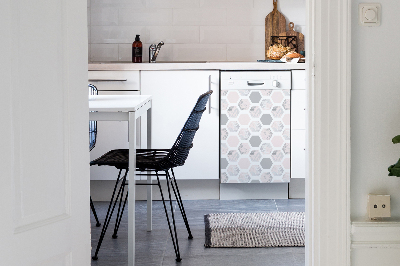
<point>255,136</point>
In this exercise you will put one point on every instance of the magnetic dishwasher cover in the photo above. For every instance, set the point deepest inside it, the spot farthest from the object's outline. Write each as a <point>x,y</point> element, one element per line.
<point>255,126</point>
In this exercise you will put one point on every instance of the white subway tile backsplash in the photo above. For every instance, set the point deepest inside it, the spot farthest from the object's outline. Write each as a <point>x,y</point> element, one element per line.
<point>246,17</point>
<point>119,3</point>
<point>104,16</point>
<point>88,16</point>
<point>172,3</point>
<point>199,16</point>
<point>125,52</point>
<point>226,3</point>
<point>239,4</point>
<point>245,52</point>
<point>115,34</point>
<point>145,17</point>
<point>232,35</point>
<point>199,52</point>
<point>258,34</point>
<point>173,34</point>
<point>166,53</point>
<point>293,10</point>
<point>89,52</point>
<point>214,3</point>
<point>89,33</point>
<point>192,30</point>
<point>266,5</point>
<point>224,34</point>
<point>104,52</point>
<point>300,28</point>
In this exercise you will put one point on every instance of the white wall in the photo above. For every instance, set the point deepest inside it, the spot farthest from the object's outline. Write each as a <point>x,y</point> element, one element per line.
<point>375,120</point>
<point>193,30</point>
<point>375,108</point>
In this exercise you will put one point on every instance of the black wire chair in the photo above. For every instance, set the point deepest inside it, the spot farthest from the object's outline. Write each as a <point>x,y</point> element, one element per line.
<point>149,161</point>
<point>92,143</point>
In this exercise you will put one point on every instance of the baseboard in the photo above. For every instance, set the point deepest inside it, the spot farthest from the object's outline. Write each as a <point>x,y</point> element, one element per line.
<point>297,188</point>
<point>101,190</point>
<point>375,242</point>
<point>233,191</point>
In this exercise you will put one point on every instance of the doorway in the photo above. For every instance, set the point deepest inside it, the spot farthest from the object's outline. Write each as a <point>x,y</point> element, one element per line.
<point>328,124</point>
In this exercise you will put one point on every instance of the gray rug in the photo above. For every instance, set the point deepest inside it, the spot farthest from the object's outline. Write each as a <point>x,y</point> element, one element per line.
<point>271,229</point>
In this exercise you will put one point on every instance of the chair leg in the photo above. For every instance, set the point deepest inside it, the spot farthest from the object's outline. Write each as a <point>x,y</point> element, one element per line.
<point>174,239</point>
<point>109,212</point>
<point>120,211</point>
<point>94,213</point>
<point>180,203</point>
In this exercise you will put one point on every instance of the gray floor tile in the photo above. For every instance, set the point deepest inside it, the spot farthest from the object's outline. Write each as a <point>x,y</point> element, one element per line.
<point>155,248</point>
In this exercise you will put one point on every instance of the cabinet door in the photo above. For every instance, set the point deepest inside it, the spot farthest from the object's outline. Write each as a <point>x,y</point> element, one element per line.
<point>298,79</point>
<point>298,154</point>
<point>298,109</point>
<point>115,80</point>
<point>174,96</point>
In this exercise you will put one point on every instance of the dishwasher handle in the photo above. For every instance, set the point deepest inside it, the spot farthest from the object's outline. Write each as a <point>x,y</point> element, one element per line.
<point>259,83</point>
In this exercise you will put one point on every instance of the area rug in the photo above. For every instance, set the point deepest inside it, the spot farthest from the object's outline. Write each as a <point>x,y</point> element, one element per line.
<point>238,230</point>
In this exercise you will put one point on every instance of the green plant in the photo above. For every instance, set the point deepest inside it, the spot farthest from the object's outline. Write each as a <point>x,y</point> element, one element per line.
<point>394,170</point>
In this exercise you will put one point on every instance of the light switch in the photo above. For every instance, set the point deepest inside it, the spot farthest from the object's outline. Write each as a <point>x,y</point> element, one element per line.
<point>369,14</point>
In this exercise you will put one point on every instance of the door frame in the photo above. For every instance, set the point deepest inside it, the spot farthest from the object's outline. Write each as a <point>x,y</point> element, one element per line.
<point>328,138</point>
<point>328,221</point>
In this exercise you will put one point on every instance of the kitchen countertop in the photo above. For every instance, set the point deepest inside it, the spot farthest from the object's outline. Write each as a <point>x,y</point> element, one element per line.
<point>195,66</point>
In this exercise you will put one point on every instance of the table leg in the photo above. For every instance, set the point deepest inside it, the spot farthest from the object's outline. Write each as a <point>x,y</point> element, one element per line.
<point>149,178</point>
<point>132,190</point>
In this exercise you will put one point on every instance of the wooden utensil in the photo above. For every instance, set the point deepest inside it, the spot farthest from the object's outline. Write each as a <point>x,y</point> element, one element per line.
<point>299,36</point>
<point>275,23</point>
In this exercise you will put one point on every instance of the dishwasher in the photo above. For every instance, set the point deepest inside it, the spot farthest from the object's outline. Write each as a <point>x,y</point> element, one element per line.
<point>255,126</point>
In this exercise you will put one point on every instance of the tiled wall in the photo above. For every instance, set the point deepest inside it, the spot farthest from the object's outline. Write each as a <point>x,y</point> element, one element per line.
<point>193,30</point>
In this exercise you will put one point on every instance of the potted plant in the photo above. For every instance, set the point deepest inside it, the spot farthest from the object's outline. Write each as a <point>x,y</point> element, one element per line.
<point>394,170</point>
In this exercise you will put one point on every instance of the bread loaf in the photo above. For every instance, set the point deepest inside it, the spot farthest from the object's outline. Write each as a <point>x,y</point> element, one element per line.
<point>276,51</point>
<point>293,55</point>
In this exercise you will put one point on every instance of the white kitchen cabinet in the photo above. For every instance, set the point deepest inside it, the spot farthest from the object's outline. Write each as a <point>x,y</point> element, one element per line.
<point>298,153</point>
<point>112,134</point>
<point>298,79</point>
<point>298,124</point>
<point>115,80</point>
<point>298,109</point>
<point>174,96</point>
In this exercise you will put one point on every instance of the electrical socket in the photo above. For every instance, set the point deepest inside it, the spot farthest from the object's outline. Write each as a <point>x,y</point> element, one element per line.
<point>378,206</point>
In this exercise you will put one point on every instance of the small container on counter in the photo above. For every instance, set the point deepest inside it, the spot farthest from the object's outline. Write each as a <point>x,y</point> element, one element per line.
<point>137,50</point>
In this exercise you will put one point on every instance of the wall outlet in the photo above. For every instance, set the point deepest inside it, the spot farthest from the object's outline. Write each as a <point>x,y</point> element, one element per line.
<point>378,206</point>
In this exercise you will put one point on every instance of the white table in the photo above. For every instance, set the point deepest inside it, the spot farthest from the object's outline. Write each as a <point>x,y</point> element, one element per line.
<point>127,108</point>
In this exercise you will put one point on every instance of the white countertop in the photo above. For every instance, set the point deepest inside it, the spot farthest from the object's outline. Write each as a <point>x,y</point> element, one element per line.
<point>196,66</point>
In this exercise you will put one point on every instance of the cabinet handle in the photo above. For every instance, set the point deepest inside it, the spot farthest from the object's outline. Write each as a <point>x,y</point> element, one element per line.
<point>209,99</point>
<point>100,80</point>
<point>254,83</point>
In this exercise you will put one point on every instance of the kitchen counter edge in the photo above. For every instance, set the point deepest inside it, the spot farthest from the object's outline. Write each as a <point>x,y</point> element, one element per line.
<point>194,66</point>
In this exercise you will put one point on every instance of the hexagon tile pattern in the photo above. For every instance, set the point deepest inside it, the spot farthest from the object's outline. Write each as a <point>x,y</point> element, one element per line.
<point>260,121</point>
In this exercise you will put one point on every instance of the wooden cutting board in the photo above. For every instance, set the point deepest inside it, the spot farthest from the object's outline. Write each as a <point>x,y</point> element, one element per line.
<point>275,23</point>
<point>292,32</point>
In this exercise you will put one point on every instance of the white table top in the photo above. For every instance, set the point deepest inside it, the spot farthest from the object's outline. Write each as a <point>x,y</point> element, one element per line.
<point>115,103</point>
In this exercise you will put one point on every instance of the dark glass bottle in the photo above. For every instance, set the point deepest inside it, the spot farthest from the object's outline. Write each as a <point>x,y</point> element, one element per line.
<point>137,50</point>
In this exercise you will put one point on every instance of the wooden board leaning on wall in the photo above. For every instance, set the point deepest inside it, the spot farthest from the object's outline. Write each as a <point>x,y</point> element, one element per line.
<point>275,24</point>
